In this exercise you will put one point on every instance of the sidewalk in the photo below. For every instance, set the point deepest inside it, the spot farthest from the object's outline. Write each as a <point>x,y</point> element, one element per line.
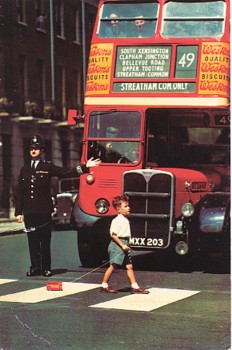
<point>10,227</point>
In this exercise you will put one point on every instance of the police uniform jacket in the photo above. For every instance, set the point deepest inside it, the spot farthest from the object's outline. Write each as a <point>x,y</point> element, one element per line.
<point>33,194</point>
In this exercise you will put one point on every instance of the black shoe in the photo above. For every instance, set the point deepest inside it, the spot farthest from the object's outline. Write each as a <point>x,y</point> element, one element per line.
<point>34,272</point>
<point>46,273</point>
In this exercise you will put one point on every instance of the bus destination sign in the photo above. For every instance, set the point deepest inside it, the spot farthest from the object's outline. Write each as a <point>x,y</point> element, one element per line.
<point>143,62</point>
<point>154,87</point>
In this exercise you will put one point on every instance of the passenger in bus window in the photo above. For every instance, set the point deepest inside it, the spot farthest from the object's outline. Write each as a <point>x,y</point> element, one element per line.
<point>113,29</point>
<point>141,28</point>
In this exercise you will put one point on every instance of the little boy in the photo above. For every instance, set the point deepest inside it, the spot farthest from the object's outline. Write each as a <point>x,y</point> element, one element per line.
<point>119,250</point>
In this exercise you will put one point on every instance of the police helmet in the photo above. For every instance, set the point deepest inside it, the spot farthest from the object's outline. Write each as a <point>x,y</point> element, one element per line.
<point>37,142</point>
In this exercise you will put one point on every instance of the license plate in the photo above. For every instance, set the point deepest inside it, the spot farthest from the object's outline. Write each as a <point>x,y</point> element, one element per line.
<point>146,242</point>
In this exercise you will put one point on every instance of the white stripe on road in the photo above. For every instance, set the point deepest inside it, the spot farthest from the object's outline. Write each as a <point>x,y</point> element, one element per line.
<point>42,294</point>
<point>3,281</point>
<point>157,298</point>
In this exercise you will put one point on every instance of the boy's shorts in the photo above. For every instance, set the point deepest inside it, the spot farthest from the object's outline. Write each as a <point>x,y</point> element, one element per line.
<point>117,255</point>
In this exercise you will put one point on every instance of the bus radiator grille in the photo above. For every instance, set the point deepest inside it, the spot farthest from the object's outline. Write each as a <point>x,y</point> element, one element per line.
<point>152,199</point>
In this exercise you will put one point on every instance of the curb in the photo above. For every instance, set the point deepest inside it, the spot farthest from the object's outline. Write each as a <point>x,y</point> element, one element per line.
<point>11,232</point>
<point>10,227</point>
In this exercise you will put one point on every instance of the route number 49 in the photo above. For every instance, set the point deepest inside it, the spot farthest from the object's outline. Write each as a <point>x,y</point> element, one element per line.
<point>187,59</point>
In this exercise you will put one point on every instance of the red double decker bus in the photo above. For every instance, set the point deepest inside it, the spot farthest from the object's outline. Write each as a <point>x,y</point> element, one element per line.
<point>157,114</point>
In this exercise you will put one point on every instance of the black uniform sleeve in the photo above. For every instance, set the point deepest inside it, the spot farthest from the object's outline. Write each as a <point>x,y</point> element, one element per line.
<point>64,172</point>
<point>84,169</point>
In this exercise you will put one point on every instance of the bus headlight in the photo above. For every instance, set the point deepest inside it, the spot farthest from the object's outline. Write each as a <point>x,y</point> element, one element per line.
<point>102,206</point>
<point>187,209</point>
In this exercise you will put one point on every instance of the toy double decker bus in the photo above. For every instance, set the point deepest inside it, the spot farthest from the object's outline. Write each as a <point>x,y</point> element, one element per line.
<point>157,114</point>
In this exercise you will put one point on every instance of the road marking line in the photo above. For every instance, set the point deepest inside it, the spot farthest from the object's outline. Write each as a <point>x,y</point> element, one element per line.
<point>42,294</point>
<point>3,281</point>
<point>157,298</point>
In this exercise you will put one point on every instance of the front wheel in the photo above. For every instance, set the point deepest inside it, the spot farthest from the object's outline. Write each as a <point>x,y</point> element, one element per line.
<point>92,252</point>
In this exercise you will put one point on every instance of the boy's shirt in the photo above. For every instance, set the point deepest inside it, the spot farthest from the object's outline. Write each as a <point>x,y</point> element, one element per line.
<point>120,226</point>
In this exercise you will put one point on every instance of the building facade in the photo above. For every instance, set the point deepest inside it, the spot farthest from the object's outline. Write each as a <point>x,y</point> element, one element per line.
<point>44,46</point>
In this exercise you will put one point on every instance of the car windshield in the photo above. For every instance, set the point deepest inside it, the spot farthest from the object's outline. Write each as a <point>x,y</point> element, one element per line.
<point>114,136</point>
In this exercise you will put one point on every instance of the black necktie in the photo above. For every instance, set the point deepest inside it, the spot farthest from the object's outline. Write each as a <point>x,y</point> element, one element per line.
<point>33,164</point>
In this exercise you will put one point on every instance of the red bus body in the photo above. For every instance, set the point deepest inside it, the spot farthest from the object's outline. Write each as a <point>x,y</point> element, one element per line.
<point>157,114</point>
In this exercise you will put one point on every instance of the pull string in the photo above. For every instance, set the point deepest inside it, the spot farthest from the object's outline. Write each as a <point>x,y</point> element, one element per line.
<point>97,268</point>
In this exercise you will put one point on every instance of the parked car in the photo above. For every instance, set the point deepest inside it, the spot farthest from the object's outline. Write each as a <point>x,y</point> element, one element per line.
<point>64,201</point>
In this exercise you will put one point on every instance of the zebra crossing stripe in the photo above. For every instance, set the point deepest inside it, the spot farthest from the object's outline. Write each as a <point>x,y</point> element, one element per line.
<point>157,298</point>
<point>4,281</point>
<point>38,295</point>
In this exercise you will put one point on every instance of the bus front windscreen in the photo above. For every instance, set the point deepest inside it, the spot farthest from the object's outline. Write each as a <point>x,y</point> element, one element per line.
<point>114,136</point>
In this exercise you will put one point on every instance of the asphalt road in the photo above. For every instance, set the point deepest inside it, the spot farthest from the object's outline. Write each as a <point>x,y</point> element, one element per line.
<point>186,309</point>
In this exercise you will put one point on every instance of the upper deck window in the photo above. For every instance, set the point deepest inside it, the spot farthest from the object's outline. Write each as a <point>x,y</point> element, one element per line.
<point>197,19</point>
<point>127,20</point>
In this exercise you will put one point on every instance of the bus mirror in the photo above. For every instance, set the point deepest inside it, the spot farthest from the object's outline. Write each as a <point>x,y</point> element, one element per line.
<point>73,118</point>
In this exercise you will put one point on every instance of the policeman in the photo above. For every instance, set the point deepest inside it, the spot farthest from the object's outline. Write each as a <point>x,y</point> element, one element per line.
<point>34,203</point>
